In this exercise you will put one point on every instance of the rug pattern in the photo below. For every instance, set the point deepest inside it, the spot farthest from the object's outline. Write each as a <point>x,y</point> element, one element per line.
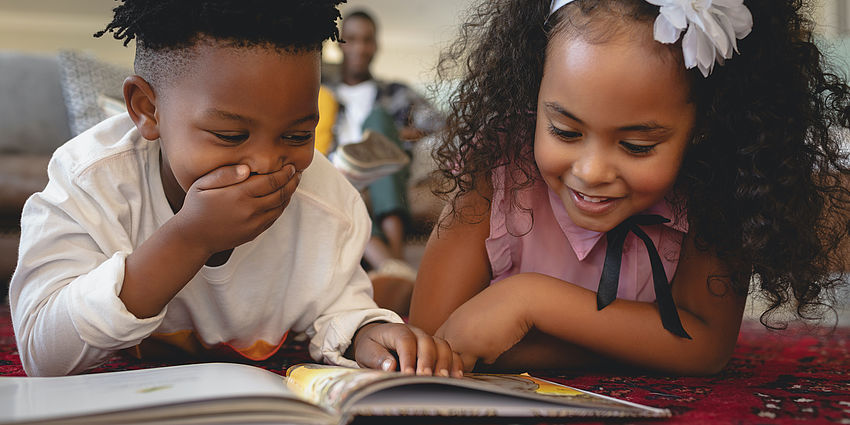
<point>796,376</point>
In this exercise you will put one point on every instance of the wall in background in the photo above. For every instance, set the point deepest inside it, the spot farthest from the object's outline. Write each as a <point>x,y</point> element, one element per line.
<point>49,25</point>
<point>411,33</point>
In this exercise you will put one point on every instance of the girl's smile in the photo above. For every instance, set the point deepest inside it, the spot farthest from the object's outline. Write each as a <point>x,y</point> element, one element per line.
<point>593,205</point>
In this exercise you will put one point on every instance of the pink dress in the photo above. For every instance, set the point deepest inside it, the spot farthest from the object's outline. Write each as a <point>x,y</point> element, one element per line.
<point>557,247</point>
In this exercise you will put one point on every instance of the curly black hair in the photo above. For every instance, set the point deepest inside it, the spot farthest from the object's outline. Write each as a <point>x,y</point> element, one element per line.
<point>164,29</point>
<point>764,183</point>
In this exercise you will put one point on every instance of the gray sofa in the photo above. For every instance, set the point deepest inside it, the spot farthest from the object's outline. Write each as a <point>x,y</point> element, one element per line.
<point>33,122</point>
<point>45,99</point>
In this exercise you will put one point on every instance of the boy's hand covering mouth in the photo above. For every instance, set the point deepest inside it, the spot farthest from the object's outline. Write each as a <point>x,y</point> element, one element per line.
<point>230,206</point>
<point>256,173</point>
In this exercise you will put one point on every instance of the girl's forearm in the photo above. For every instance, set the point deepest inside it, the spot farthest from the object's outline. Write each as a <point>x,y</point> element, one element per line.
<point>629,331</point>
<point>540,351</point>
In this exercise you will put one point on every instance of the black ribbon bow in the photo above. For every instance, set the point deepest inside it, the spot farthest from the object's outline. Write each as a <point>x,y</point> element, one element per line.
<point>610,279</point>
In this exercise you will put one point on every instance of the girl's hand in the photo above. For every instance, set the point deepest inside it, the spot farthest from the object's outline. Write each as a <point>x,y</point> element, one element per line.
<point>417,351</point>
<point>488,324</point>
<point>228,207</point>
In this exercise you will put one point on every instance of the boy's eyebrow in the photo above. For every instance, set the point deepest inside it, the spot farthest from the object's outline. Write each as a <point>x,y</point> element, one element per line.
<point>227,115</point>
<point>306,118</point>
<point>314,116</point>
<point>645,127</point>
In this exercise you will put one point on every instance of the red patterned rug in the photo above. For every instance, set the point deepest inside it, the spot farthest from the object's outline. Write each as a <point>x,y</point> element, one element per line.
<point>796,376</point>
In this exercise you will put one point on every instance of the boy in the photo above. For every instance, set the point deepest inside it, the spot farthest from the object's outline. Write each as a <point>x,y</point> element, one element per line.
<point>201,219</point>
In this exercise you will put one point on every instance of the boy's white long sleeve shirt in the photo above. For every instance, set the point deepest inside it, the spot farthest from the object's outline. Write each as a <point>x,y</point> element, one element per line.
<point>105,197</point>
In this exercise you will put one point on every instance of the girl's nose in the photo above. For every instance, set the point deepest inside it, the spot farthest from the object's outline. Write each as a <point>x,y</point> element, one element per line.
<point>594,167</point>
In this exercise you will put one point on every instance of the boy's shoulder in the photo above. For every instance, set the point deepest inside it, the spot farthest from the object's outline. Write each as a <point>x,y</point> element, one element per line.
<point>110,138</point>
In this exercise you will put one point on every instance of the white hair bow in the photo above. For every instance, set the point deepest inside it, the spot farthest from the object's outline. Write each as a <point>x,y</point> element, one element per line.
<point>713,28</point>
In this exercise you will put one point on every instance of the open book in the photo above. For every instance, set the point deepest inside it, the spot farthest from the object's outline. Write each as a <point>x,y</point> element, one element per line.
<point>310,394</point>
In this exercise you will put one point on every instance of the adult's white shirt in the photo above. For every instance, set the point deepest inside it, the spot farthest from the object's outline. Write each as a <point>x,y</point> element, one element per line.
<point>358,100</point>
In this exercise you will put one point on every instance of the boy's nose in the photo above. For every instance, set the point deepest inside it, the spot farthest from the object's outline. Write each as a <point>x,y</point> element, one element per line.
<point>264,161</point>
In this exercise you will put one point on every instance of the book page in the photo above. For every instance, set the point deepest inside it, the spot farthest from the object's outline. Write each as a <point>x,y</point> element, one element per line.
<point>438,400</point>
<point>330,386</point>
<point>373,392</point>
<point>34,398</point>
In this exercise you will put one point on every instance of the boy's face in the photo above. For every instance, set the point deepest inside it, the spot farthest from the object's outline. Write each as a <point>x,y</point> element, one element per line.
<point>255,106</point>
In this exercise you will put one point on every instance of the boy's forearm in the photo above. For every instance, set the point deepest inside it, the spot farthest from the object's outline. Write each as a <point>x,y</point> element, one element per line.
<point>628,331</point>
<point>158,269</point>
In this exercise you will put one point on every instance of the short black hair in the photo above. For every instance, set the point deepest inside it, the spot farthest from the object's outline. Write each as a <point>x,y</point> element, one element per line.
<point>362,14</point>
<point>166,30</point>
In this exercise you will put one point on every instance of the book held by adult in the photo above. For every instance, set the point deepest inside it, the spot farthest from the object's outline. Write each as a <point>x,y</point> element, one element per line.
<point>310,394</point>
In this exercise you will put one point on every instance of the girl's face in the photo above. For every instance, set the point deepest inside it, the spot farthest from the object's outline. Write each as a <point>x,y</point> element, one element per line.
<point>613,122</point>
<point>255,106</point>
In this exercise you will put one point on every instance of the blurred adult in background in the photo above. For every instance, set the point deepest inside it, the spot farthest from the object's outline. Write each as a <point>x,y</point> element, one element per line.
<point>358,101</point>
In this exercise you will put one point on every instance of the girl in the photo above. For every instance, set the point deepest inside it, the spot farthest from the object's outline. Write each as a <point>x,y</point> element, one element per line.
<point>621,170</point>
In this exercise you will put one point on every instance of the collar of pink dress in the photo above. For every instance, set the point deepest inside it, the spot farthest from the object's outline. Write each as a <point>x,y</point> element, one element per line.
<point>583,240</point>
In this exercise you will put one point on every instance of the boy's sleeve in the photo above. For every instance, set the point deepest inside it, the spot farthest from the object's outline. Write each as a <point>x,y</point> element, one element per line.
<point>350,304</point>
<point>332,333</point>
<point>64,293</point>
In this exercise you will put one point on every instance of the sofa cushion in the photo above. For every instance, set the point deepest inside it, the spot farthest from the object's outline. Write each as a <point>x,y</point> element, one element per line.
<point>20,177</point>
<point>32,108</point>
<point>85,80</point>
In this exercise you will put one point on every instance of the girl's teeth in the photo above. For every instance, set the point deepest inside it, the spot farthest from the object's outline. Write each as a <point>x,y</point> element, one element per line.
<point>591,198</point>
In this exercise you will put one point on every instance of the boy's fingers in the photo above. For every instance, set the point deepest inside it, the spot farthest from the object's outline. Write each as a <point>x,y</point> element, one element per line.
<point>223,177</point>
<point>403,341</point>
<point>289,189</point>
<point>376,356</point>
<point>266,184</point>
<point>280,199</point>
<point>445,360</point>
<point>426,352</point>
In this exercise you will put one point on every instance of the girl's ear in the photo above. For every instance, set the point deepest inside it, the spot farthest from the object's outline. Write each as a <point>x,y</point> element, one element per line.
<point>141,104</point>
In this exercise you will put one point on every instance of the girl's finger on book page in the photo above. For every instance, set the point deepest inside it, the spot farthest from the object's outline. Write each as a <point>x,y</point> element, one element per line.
<point>468,361</point>
<point>457,365</point>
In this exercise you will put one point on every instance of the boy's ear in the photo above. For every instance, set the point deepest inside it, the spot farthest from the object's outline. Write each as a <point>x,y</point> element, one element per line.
<point>141,104</point>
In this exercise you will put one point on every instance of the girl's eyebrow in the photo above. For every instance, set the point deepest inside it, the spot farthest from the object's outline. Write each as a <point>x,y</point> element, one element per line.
<point>644,127</point>
<point>561,110</point>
